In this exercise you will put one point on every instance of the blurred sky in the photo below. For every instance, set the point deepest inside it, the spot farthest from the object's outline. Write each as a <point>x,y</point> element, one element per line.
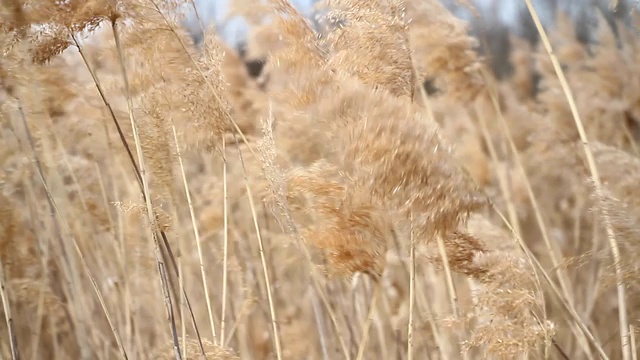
<point>235,30</point>
<point>507,13</point>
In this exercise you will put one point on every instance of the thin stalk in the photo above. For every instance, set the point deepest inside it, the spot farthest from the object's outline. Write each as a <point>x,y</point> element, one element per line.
<point>239,131</point>
<point>183,323</point>
<point>422,301</point>
<point>165,241</point>
<point>263,261</point>
<point>632,341</point>
<point>451,289</point>
<point>412,290</point>
<point>568,306</point>
<point>162,270</point>
<point>35,344</point>
<point>119,250</point>
<point>136,171</point>
<point>318,317</point>
<point>197,13</point>
<point>441,248</point>
<point>147,194</point>
<point>500,173</point>
<point>294,232</point>
<point>225,245</point>
<point>325,301</point>
<point>13,342</point>
<point>108,105</point>
<point>382,326</point>
<point>55,211</point>
<point>613,244</point>
<point>367,325</point>
<point>70,278</point>
<point>214,92</point>
<point>559,349</point>
<point>196,233</point>
<point>44,254</point>
<point>551,247</point>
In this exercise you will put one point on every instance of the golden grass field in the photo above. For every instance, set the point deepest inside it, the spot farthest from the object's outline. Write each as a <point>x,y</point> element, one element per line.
<point>158,202</point>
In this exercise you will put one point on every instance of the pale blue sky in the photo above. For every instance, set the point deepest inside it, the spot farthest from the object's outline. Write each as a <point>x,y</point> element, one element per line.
<point>234,31</point>
<point>504,12</point>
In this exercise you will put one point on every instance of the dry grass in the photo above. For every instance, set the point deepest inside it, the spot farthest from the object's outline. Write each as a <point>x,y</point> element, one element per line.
<point>157,201</point>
